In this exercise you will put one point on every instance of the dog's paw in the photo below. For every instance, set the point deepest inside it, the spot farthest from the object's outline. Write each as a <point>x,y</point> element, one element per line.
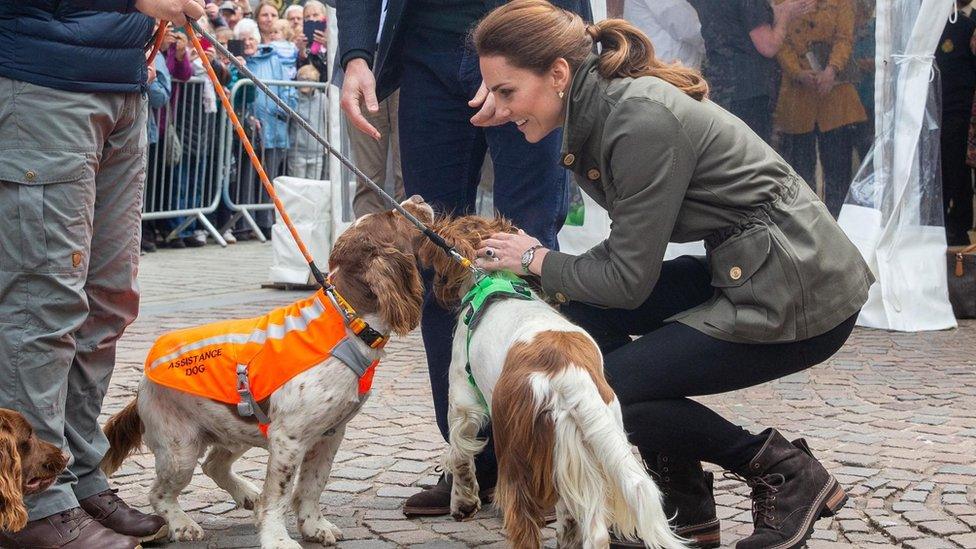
<point>185,529</point>
<point>281,543</point>
<point>246,496</point>
<point>320,530</point>
<point>464,509</point>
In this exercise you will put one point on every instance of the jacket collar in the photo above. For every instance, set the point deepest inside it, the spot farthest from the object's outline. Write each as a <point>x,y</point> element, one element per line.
<point>581,110</point>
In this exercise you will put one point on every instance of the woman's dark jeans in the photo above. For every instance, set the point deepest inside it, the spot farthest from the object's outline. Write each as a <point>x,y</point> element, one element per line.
<point>655,374</point>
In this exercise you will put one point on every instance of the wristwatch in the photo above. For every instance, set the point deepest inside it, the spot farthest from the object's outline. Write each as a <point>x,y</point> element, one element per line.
<point>528,256</point>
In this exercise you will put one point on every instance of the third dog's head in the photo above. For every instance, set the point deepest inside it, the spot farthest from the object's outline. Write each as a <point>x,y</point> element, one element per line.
<point>28,465</point>
<point>465,233</point>
<point>373,265</point>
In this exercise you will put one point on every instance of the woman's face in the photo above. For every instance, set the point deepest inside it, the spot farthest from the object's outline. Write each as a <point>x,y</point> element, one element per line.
<point>250,44</point>
<point>267,15</point>
<point>314,13</point>
<point>528,99</point>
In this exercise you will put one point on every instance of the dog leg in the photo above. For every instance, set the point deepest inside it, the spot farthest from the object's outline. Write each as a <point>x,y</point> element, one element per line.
<point>286,451</point>
<point>312,478</point>
<point>568,535</point>
<point>218,466</point>
<point>465,416</point>
<point>175,461</point>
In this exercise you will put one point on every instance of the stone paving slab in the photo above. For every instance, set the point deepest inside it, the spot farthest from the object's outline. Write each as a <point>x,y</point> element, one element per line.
<point>893,415</point>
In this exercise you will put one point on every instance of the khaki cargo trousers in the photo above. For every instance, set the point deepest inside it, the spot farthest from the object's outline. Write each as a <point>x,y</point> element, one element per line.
<point>72,171</point>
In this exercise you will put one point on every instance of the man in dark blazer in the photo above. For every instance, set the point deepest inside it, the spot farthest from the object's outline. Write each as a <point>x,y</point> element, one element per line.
<point>447,123</point>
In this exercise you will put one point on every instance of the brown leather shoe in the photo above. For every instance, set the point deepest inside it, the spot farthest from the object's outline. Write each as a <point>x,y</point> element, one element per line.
<point>111,512</point>
<point>71,529</point>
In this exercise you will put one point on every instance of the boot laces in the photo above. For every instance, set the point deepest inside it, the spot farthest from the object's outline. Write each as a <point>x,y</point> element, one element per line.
<point>764,489</point>
<point>75,518</point>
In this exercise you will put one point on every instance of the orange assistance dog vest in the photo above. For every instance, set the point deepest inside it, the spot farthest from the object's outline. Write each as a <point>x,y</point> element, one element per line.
<point>243,362</point>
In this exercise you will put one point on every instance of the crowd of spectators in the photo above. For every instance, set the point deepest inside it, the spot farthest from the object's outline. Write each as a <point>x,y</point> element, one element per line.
<point>185,140</point>
<point>800,73</point>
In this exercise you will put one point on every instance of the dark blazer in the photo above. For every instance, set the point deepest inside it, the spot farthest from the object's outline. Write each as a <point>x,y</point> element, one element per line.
<point>359,22</point>
<point>75,45</point>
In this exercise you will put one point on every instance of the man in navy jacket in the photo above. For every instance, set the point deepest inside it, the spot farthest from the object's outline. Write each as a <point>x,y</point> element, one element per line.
<point>73,82</point>
<point>446,124</point>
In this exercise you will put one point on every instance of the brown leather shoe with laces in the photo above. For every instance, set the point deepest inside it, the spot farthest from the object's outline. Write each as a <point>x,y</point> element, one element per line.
<point>112,512</point>
<point>71,529</point>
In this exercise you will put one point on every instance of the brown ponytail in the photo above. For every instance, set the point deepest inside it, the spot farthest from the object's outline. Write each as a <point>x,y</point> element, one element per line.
<point>532,34</point>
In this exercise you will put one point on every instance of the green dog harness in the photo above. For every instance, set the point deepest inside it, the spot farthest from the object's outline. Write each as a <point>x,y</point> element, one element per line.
<point>486,290</point>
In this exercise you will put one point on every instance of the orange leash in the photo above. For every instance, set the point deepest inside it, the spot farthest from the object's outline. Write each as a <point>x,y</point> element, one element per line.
<point>161,27</point>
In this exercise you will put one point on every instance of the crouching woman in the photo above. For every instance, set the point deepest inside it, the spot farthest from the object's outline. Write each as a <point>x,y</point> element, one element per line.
<point>778,291</point>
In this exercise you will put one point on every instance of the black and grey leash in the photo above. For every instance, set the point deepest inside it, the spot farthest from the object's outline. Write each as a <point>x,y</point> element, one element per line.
<point>434,237</point>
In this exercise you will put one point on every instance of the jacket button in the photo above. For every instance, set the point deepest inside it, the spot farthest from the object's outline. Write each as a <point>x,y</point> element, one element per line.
<point>30,175</point>
<point>593,174</point>
<point>560,297</point>
<point>569,159</point>
<point>735,273</point>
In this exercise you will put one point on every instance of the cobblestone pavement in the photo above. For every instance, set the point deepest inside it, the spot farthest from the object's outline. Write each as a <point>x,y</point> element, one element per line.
<point>893,415</point>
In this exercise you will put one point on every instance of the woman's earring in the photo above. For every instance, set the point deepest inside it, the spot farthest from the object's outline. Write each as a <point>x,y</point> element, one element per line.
<point>560,93</point>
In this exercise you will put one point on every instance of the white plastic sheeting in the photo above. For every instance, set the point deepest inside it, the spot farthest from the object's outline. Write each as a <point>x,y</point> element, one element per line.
<point>893,211</point>
<point>309,204</point>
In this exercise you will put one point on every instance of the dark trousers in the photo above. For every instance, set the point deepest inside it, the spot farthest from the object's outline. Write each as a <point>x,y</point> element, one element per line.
<point>655,374</point>
<point>442,154</point>
<point>836,156</point>
<point>757,113</point>
<point>957,180</point>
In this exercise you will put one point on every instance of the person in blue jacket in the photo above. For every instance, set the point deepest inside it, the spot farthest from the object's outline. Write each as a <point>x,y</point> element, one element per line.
<point>447,123</point>
<point>271,119</point>
<point>73,86</point>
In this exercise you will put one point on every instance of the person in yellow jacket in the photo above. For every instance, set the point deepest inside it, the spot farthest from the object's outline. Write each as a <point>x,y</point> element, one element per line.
<point>818,105</point>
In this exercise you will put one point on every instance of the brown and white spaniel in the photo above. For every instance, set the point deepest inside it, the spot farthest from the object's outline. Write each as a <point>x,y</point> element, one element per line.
<point>28,465</point>
<point>556,423</point>
<point>373,267</point>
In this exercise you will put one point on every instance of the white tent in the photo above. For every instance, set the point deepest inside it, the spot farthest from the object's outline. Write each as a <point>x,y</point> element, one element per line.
<point>893,212</point>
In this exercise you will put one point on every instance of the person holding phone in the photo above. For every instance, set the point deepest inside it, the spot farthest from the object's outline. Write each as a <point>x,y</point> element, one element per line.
<point>72,172</point>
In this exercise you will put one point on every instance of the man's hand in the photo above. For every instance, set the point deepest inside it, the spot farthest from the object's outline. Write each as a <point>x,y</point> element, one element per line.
<point>487,115</point>
<point>176,11</point>
<point>359,85</point>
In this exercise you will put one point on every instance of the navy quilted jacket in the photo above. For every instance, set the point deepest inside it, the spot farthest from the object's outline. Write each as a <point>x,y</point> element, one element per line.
<point>75,45</point>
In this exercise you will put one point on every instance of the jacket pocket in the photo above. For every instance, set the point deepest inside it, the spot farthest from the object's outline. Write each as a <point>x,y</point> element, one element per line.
<point>47,199</point>
<point>747,271</point>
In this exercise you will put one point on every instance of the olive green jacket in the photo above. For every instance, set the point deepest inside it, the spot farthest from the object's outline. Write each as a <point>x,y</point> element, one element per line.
<point>669,168</point>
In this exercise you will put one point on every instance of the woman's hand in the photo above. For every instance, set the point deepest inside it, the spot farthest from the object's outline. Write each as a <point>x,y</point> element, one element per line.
<point>503,251</point>
<point>826,81</point>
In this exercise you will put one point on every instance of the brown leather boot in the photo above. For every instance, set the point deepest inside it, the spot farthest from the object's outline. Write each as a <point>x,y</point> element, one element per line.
<point>71,529</point>
<point>111,512</point>
<point>436,500</point>
<point>791,490</point>
<point>688,498</point>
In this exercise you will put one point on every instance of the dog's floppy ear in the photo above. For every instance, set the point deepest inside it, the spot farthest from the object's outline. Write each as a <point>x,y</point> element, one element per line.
<point>13,514</point>
<point>393,277</point>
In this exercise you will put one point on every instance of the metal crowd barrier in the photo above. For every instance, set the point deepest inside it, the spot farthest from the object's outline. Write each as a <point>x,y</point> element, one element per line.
<point>184,178</point>
<point>199,166</point>
<point>305,157</point>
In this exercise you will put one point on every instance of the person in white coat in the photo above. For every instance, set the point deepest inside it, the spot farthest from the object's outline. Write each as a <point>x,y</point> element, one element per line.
<point>672,26</point>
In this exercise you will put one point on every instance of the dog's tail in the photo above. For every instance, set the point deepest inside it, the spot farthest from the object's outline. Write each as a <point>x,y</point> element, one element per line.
<point>124,433</point>
<point>595,464</point>
<point>524,443</point>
